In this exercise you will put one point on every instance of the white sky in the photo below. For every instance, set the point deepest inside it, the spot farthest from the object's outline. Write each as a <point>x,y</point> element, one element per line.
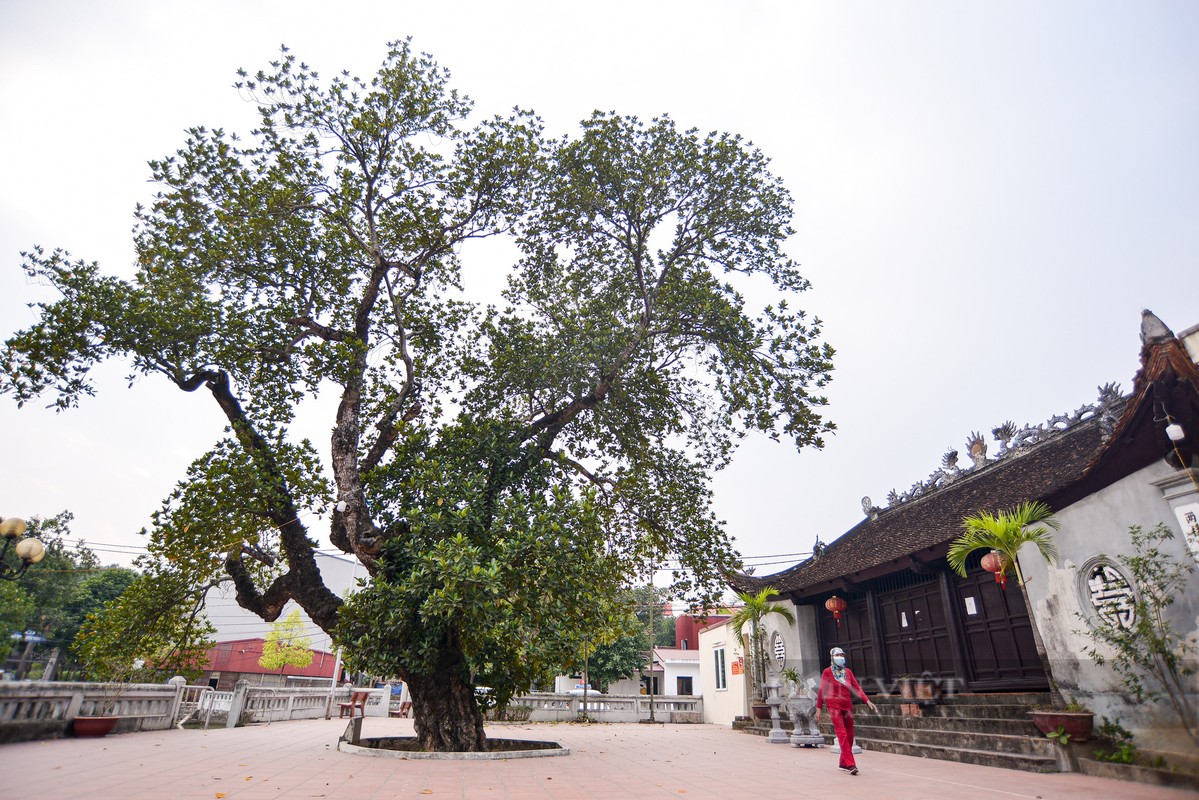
<point>986,194</point>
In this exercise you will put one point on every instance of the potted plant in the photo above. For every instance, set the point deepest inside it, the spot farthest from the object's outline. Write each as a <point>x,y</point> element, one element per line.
<point>101,719</point>
<point>791,675</point>
<point>1072,723</point>
<point>754,609</point>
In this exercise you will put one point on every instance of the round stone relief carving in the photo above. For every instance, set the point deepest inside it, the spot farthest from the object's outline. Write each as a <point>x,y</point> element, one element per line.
<point>779,647</point>
<point>1108,593</point>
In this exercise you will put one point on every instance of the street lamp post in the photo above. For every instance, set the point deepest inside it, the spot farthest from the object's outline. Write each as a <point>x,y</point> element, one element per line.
<point>26,548</point>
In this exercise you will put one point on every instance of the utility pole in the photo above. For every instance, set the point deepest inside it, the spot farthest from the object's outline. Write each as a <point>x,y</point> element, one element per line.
<point>652,604</point>
<point>586,677</point>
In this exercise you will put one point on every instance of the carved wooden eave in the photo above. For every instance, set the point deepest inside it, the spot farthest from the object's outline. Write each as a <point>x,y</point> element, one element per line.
<point>850,587</point>
<point>1165,389</point>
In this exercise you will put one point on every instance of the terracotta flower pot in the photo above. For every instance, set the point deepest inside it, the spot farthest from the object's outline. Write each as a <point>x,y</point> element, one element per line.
<point>94,726</point>
<point>760,710</point>
<point>1076,723</point>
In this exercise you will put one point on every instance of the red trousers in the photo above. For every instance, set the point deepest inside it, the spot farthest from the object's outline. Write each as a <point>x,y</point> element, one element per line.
<point>843,725</point>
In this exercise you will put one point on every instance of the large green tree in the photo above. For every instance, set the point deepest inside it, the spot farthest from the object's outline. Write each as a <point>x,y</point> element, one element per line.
<point>501,471</point>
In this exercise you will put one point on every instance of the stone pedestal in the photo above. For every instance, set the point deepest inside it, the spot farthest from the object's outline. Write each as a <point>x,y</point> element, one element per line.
<point>777,735</point>
<point>806,740</point>
<point>800,706</point>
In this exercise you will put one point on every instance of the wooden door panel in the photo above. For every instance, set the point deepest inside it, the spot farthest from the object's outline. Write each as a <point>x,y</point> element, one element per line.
<point>999,641</point>
<point>852,635</point>
<point>915,631</point>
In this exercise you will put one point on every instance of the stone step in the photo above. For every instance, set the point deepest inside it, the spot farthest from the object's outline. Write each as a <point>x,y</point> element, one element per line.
<point>1014,711</point>
<point>982,698</point>
<point>1022,761</point>
<point>959,725</point>
<point>987,725</point>
<point>1018,744</point>
<point>1036,760</point>
<point>987,728</point>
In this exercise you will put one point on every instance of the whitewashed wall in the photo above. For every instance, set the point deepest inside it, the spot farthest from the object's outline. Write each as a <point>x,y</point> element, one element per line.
<point>1094,527</point>
<point>721,706</point>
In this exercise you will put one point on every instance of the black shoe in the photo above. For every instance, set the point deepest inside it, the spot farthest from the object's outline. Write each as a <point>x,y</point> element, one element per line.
<point>853,771</point>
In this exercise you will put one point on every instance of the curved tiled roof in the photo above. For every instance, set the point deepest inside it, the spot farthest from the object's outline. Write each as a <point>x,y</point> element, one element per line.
<point>1058,471</point>
<point>926,525</point>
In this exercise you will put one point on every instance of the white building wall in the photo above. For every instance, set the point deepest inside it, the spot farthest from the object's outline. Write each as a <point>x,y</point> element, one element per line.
<point>627,686</point>
<point>721,705</point>
<point>674,667</point>
<point>1091,528</point>
<point>232,622</point>
<point>797,650</point>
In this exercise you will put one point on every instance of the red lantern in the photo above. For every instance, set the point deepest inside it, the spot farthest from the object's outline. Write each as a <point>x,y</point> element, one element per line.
<point>995,562</point>
<point>836,605</point>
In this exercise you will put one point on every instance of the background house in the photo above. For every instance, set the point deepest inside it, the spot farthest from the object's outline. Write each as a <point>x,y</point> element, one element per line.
<point>240,635</point>
<point>676,671</point>
<point>722,674</point>
<point>237,660</point>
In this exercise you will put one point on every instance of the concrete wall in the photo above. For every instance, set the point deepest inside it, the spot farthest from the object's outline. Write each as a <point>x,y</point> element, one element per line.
<point>45,709</point>
<point>721,706</point>
<point>802,652</point>
<point>1091,529</point>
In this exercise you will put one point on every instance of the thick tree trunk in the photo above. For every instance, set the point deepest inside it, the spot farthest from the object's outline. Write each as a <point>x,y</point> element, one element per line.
<point>445,714</point>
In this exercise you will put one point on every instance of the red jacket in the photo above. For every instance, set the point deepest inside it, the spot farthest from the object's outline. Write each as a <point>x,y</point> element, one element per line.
<point>835,694</point>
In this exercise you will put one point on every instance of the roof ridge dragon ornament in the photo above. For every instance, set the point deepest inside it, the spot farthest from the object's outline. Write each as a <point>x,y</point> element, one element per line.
<point>1012,441</point>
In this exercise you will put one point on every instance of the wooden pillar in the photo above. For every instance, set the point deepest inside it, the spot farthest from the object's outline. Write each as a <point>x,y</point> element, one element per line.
<point>882,668</point>
<point>953,621</point>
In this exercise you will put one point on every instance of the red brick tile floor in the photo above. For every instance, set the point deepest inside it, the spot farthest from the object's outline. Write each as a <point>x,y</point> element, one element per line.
<point>295,760</point>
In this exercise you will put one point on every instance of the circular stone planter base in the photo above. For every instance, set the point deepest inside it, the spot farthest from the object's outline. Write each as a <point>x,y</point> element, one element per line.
<point>407,747</point>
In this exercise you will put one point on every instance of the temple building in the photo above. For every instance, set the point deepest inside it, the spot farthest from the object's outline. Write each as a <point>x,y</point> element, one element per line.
<point>1123,460</point>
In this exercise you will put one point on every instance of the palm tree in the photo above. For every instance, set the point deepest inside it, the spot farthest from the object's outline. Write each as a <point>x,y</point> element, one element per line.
<point>1006,532</point>
<point>754,609</point>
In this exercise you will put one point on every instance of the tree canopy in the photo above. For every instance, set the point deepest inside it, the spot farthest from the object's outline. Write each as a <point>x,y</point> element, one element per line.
<point>54,599</point>
<point>501,469</point>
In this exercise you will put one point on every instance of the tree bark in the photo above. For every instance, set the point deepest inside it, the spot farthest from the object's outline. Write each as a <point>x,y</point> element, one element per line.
<point>445,713</point>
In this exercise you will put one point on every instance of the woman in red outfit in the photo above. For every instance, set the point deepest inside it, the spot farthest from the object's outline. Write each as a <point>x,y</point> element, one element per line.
<point>836,683</point>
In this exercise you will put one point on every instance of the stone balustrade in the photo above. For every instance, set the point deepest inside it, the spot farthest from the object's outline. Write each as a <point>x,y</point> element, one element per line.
<point>44,709</point>
<point>557,707</point>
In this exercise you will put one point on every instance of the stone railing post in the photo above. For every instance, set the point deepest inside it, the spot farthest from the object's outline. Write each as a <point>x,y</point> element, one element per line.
<point>237,703</point>
<point>74,705</point>
<point>179,682</point>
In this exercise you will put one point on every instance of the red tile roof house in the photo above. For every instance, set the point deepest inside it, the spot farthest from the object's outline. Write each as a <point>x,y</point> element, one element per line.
<point>240,635</point>
<point>237,659</point>
<point>1108,466</point>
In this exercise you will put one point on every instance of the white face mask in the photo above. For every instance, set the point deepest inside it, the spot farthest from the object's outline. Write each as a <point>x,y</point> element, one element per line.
<point>839,660</point>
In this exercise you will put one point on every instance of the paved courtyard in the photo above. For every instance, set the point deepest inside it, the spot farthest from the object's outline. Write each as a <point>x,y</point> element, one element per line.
<point>295,760</point>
